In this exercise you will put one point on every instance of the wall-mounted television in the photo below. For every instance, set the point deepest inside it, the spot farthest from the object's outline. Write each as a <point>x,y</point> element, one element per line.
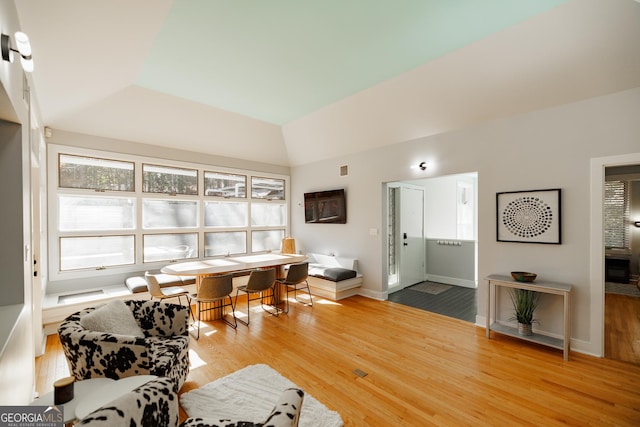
<point>325,207</point>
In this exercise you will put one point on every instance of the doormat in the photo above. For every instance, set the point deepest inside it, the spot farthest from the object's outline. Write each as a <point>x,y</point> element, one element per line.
<point>250,394</point>
<point>430,288</point>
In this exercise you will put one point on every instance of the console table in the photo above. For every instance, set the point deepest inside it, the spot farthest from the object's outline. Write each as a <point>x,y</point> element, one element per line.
<point>496,280</point>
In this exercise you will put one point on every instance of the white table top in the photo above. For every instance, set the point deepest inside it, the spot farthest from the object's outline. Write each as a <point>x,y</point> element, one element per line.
<point>99,397</point>
<point>230,264</point>
<point>80,389</point>
<point>547,285</point>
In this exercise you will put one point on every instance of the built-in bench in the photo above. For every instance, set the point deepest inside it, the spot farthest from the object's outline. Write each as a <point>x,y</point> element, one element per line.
<point>139,284</point>
<point>333,277</point>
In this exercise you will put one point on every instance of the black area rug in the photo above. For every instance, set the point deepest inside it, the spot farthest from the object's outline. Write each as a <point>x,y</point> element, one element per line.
<point>457,301</point>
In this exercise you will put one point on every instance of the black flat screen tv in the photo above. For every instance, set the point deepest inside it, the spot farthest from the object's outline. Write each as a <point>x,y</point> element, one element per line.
<point>325,207</point>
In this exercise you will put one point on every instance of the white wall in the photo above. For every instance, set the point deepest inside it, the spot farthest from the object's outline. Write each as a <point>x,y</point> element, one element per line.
<point>549,148</point>
<point>441,205</point>
<point>17,364</point>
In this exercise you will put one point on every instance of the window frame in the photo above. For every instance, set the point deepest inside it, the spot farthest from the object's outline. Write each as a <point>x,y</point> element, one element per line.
<point>626,220</point>
<point>54,191</point>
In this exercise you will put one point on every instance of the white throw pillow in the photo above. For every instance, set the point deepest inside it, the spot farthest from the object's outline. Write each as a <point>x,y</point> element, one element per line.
<point>115,317</point>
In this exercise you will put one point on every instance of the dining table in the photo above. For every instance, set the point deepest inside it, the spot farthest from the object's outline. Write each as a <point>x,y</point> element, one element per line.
<point>233,264</point>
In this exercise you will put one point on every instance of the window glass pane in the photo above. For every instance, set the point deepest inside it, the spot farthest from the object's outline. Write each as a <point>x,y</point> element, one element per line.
<point>95,174</point>
<point>225,185</point>
<point>267,188</point>
<point>267,214</point>
<point>168,180</point>
<point>225,243</point>
<point>93,252</point>
<point>269,240</point>
<point>77,213</point>
<point>225,214</point>
<point>465,211</point>
<point>169,213</point>
<point>165,247</point>
<point>616,214</point>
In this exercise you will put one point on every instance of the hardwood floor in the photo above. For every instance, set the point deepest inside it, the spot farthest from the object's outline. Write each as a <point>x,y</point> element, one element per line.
<point>423,368</point>
<point>622,328</point>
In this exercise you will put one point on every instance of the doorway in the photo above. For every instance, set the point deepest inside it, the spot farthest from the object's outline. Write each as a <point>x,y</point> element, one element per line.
<point>622,254</point>
<point>599,330</point>
<point>406,235</point>
<point>448,253</point>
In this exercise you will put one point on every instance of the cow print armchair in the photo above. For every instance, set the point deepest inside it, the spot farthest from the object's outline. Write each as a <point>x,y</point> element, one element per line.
<point>154,404</point>
<point>125,338</point>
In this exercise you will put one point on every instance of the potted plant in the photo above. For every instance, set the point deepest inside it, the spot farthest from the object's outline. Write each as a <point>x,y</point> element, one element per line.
<point>524,304</point>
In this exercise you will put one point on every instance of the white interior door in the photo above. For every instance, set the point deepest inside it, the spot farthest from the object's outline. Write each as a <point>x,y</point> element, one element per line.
<point>411,234</point>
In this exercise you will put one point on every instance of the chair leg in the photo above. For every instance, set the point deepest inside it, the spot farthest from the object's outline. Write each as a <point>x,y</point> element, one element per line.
<point>262,305</point>
<point>234,325</point>
<point>273,300</point>
<point>199,314</point>
<point>189,307</point>
<point>287,298</point>
<point>295,295</point>
<point>248,318</point>
<point>309,292</point>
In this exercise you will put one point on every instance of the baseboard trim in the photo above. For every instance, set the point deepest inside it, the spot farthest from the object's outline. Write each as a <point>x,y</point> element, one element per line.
<point>452,281</point>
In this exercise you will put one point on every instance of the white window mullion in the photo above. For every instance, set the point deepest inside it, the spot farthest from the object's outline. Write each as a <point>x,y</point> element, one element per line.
<point>92,208</point>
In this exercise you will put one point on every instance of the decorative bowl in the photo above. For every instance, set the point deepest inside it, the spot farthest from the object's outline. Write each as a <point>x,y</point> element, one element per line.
<point>523,276</point>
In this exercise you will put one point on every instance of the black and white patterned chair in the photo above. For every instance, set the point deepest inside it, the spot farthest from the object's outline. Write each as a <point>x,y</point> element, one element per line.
<point>285,413</point>
<point>154,404</point>
<point>158,344</point>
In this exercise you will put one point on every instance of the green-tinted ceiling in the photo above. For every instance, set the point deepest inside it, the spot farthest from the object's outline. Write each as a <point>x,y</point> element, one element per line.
<point>279,60</point>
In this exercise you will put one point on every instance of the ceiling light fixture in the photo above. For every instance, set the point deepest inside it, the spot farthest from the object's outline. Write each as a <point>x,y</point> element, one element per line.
<point>23,49</point>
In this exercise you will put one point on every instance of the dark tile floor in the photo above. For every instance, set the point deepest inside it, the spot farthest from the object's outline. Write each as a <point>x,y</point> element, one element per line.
<point>457,302</point>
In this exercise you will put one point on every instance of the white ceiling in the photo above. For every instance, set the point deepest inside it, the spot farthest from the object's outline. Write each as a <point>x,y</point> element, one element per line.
<point>98,66</point>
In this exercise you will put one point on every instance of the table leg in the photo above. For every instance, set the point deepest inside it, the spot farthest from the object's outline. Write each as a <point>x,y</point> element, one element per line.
<point>488,313</point>
<point>567,325</point>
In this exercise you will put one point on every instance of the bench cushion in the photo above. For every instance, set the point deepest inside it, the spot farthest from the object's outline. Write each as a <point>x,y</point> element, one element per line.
<point>136,284</point>
<point>334,274</point>
<point>139,283</point>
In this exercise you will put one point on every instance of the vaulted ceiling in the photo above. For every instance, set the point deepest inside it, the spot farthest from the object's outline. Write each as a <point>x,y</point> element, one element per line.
<point>289,82</point>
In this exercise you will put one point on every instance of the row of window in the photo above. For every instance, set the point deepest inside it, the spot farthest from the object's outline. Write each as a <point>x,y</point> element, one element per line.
<point>97,213</point>
<point>105,219</point>
<point>110,251</point>
<point>99,174</point>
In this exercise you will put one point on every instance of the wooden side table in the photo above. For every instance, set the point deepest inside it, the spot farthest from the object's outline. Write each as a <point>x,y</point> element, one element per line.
<point>496,280</point>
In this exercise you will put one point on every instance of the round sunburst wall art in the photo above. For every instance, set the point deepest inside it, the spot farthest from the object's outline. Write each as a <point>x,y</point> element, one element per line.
<point>529,216</point>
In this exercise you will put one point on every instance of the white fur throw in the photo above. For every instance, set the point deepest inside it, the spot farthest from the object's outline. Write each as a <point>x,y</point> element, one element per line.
<point>115,317</point>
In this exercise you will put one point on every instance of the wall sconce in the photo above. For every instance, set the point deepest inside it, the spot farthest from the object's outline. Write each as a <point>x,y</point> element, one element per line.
<point>23,49</point>
<point>422,166</point>
<point>637,224</point>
